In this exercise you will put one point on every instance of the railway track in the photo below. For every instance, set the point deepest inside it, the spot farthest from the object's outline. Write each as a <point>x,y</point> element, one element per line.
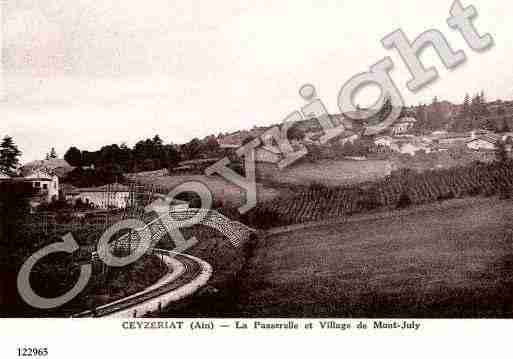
<point>192,269</point>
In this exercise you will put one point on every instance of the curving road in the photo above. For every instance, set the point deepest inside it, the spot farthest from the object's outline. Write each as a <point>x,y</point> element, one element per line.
<point>186,275</point>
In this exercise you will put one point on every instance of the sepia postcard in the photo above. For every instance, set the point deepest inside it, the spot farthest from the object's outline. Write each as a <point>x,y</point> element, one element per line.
<point>262,167</point>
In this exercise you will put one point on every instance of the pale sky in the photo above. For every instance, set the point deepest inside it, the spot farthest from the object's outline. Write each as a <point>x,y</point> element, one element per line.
<point>94,72</point>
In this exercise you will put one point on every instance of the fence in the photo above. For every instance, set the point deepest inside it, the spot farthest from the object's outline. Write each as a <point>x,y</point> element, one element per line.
<point>236,232</point>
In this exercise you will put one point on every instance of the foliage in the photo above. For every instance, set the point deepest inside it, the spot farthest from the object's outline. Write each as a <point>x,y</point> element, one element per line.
<point>80,177</point>
<point>9,155</point>
<point>317,202</point>
<point>14,207</point>
<point>73,156</point>
<point>150,154</point>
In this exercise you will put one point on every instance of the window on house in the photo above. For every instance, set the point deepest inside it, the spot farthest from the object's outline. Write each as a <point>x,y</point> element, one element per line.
<point>37,184</point>
<point>45,186</point>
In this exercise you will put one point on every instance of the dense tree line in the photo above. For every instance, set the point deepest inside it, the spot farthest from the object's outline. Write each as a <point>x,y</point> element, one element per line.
<point>475,114</point>
<point>147,155</point>
<point>108,164</point>
<point>430,118</point>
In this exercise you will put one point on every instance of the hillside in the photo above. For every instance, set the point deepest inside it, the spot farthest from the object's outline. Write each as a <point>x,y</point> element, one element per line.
<point>443,260</point>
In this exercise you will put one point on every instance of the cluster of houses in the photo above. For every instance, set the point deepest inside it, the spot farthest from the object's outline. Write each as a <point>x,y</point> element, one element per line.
<point>477,140</point>
<point>44,178</point>
<point>47,189</point>
<point>397,139</point>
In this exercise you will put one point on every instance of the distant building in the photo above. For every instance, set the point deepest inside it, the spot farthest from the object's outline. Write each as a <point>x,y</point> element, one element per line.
<point>386,143</point>
<point>452,140</point>
<point>406,145</point>
<point>45,185</point>
<point>403,125</point>
<point>109,196</point>
<point>486,142</point>
<point>348,137</point>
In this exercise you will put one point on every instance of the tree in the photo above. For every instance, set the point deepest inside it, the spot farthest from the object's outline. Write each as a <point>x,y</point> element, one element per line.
<point>157,141</point>
<point>474,106</point>
<point>14,207</point>
<point>74,157</point>
<point>295,133</point>
<point>483,109</point>
<point>505,126</point>
<point>482,99</point>
<point>466,105</point>
<point>109,155</point>
<point>52,154</point>
<point>490,125</point>
<point>9,155</point>
<point>211,146</point>
<point>192,149</point>
<point>172,156</point>
<point>501,155</point>
<point>125,156</point>
<point>383,112</point>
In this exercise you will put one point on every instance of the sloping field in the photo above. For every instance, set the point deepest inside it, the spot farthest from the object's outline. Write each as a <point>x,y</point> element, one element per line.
<point>327,172</point>
<point>452,259</point>
<point>223,190</point>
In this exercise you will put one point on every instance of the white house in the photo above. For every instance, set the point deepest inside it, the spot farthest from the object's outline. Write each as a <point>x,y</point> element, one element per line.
<point>483,143</point>
<point>403,125</point>
<point>387,142</point>
<point>348,137</point>
<point>45,184</point>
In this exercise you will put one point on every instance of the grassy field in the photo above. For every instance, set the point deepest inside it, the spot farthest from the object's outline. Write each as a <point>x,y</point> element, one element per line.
<point>452,259</point>
<point>327,172</point>
<point>222,190</point>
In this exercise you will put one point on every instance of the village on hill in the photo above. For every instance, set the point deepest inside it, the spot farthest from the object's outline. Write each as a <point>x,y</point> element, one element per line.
<point>439,135</point>
<point>437,158</point>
